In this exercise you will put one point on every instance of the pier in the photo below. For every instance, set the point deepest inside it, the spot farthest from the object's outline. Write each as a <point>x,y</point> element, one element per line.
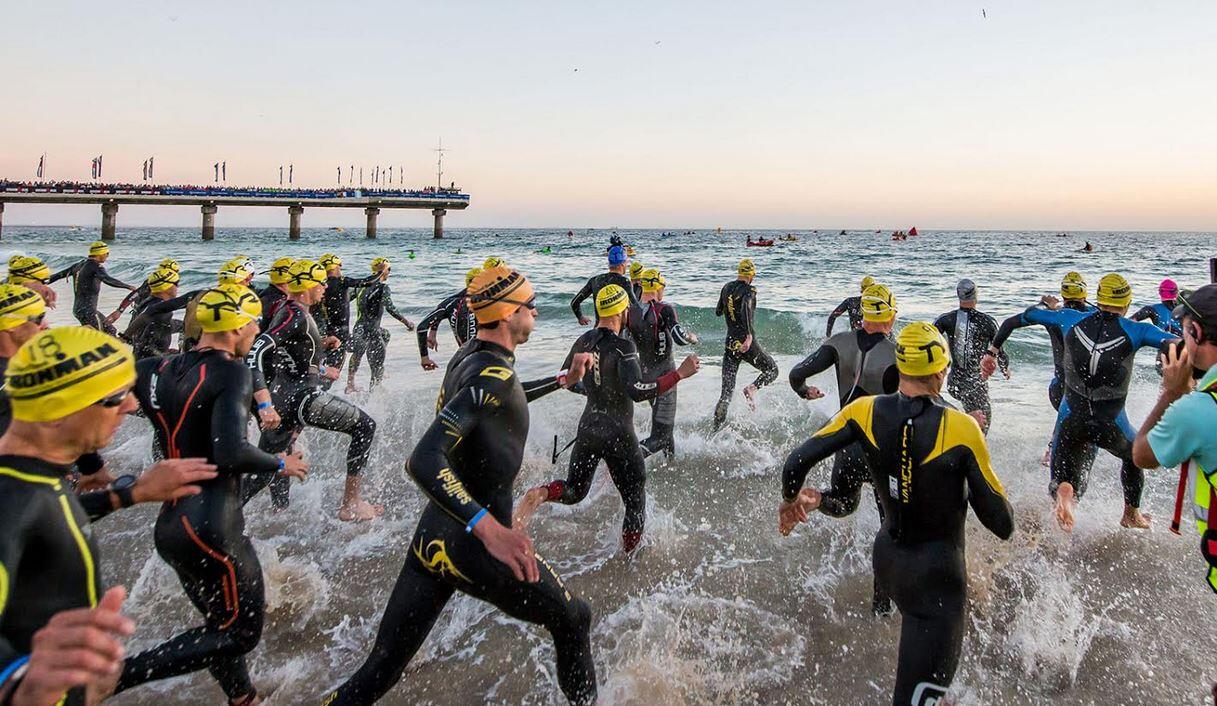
<point>209,200</point>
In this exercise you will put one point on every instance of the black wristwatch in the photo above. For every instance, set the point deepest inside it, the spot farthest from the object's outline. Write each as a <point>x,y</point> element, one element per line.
<point>122,487</point>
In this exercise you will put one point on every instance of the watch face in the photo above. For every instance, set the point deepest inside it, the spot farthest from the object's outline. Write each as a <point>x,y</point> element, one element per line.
<point>123,482</point>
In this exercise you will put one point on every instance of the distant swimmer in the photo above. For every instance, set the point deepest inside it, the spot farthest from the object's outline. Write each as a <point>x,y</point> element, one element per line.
<point>465,463</point>
<point>87,276</point>
<point>375,300</point>
<point>865,362</point>
<point>617,262</point>
<point>606,428</point>
<point>970,332</point>
<point>851,306</point>
<point>928,463</point>
<point>657,332</point>
<point>1162,313</point>
<point>1099,347</point>
<point>1087,247</point>
<point>453,309</point>
<point>737,304</point>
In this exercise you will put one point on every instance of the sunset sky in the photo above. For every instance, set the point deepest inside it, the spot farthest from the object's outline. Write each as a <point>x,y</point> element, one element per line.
<point>1044,115</point>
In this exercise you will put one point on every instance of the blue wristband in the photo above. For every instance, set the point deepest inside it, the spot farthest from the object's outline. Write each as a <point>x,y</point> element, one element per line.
<point>476,519</point>
<point>263,405</point>
<point>13,667</point>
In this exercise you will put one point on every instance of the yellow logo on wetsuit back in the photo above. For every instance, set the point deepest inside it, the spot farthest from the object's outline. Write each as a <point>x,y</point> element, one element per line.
<point>438,563</point>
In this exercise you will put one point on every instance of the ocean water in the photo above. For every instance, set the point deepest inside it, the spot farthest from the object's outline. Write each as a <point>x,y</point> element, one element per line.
<point>716,608</point>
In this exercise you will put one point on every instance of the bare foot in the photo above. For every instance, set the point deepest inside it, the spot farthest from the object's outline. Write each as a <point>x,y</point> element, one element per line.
<point>750,396</point>
<point>1065,504</point>
<point>360,511</point>
<point>1134,518</point>
<point>528,505</point>
<point>352,388</point>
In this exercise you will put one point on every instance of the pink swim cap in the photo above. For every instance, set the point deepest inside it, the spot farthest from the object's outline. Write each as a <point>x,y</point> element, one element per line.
<point>1168,290</point>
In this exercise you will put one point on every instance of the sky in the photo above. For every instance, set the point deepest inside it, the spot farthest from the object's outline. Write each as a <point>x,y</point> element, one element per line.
<point>848,114</point>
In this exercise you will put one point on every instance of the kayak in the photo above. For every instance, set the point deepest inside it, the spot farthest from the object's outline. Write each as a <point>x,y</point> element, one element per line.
<point>760,244</point>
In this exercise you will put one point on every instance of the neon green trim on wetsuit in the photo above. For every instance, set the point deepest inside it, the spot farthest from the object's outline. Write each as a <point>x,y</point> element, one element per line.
<point>85,554</point>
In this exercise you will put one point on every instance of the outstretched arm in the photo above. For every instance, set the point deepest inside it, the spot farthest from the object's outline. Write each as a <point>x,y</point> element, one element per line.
<point>576,304</point>
<point>820,360</point>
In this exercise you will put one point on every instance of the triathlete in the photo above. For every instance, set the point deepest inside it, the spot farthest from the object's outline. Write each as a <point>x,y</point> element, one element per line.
<point>928,462</point>
<point>606,428</point>
<point>737,303</point>
<point>454,310</point>
<point>617,259</point>
<point>851,306</point>
<point>636,269</point>
<point>1098,361</point>
<point>336,307</point>
<point>276,292</point>
<point>87,276</point>
<point>156,337</point>
<point>970,332</point>
<point>199,405</point>
<point>143,292</point>
<point>375,300</point>
<point>289,355</point>
<point>70,390</point>
<point>465,463</point>
<point>656,332</point>
<point>235,271</point>
<point>31,272</point>
<point>1161,314</point>
<point>865,362</point>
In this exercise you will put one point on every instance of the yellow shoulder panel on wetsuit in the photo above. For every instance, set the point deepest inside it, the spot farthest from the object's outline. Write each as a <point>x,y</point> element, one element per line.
<point>861,411</point>
<point>498,372</point>
<point>959,429</point>
<point>3,587</point>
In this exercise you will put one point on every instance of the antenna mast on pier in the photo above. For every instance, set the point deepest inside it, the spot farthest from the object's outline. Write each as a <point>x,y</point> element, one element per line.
<point>439,164</point>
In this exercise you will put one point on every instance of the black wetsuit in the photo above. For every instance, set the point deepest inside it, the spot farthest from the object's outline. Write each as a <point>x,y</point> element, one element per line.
<point>88,275</point>
<point>465,463</point>
<point>851,306</point>
<point>198,403</point>
<point>455,310</point>
<point>1056,335</point>
<point>737,302</point>
<point>289,354</point>
<point>970,332</point>
<point>86,465</point>
<point>154,337</point>
<point>136,298</point>
<point>656,331</point>
<point>606,428</point>
<point>1162,316</point>
<point>48,559</point>
<point>335,319</point>
<point>595,284</point>
<point>928,462</point>
<point>375,300</point>
<point>272,298</point>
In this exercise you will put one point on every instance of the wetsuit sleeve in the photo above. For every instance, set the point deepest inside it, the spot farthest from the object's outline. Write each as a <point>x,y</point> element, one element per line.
<point>822,359</point>
<point>16,513</point>
<point>472,404</point>
<point>841,309</point>
<point>69,271</point>
<point>287,321</point>
<point>230,447</point>
<point>842,430</point>
<point>946,324</point>
<point>432,320</point>
<point>721,305</point>
<point>142,290</point>
<point>141,320</point>
<point>673,324</point>
<point>985,492</point>
<point>1146,335</point>
<point>576,304</point>
<point>360,281</point>
<point>1145,312</point>
<point>536,389</point>
<point>112,281</point>
<point>987,334</point>
<point>746,304</point>
<point>629,371</point>
<point>389,308</point>
<point>1035,315</point>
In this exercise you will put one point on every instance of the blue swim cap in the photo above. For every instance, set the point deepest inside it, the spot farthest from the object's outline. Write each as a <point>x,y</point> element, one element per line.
<point>617,255</point>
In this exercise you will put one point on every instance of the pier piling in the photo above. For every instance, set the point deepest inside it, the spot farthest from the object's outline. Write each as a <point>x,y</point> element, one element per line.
<point>109,217</point>
<point>209,221</point>
<point>372,212</point>
<point>439,222</point>
<point>1,219</point>
<point>293,226</point>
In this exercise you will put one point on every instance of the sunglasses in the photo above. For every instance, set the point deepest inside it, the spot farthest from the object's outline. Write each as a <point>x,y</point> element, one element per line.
<point>113,400</point>
<point>531,303</point>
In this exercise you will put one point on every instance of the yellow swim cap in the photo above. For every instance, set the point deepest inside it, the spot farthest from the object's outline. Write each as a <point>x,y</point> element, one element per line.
<point>162,280</point>
<point>304,275</point>
<point>866,282</point>
<point>280,270</point>
<point>1073,286</point>
<point>611,300</point>
<point>746,268</point>
<point>496,293</point>
<point>19,306</point>
<point>63,370</point>
<point>921,350</point>
<point>878,304</point>
<point>379,263</point>
<point>635,269</point>
<point>473,272</point>
<point>98,248</point>
<point>652,280</point>
<point>233,273</point>
<point>23,268</point>
<point>493,262</point>
<point>170,264</point>
<point>228,307</point>
<point>1114,290</point>
<point>329,261</point>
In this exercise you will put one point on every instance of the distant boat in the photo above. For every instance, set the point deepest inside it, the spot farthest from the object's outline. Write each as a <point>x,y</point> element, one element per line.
<point>759,243</point>
<point>913,230</point>
<point>336,229</point>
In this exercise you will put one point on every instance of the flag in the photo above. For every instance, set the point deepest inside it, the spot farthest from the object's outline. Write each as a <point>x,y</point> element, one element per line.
<point>41,162</point>
<point>145,172</point>
<point>339,176</point>
<point>217,168</point>
<point>361,176</point>
<point>94,167</point>
<point>150,167</point>
<point>99,166</point>
<point>280,175</point>
<point>351,175</point>
<point>224,171</point>
<point>390,175</point>
<point>290,168</point>
<point>401,175</point>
